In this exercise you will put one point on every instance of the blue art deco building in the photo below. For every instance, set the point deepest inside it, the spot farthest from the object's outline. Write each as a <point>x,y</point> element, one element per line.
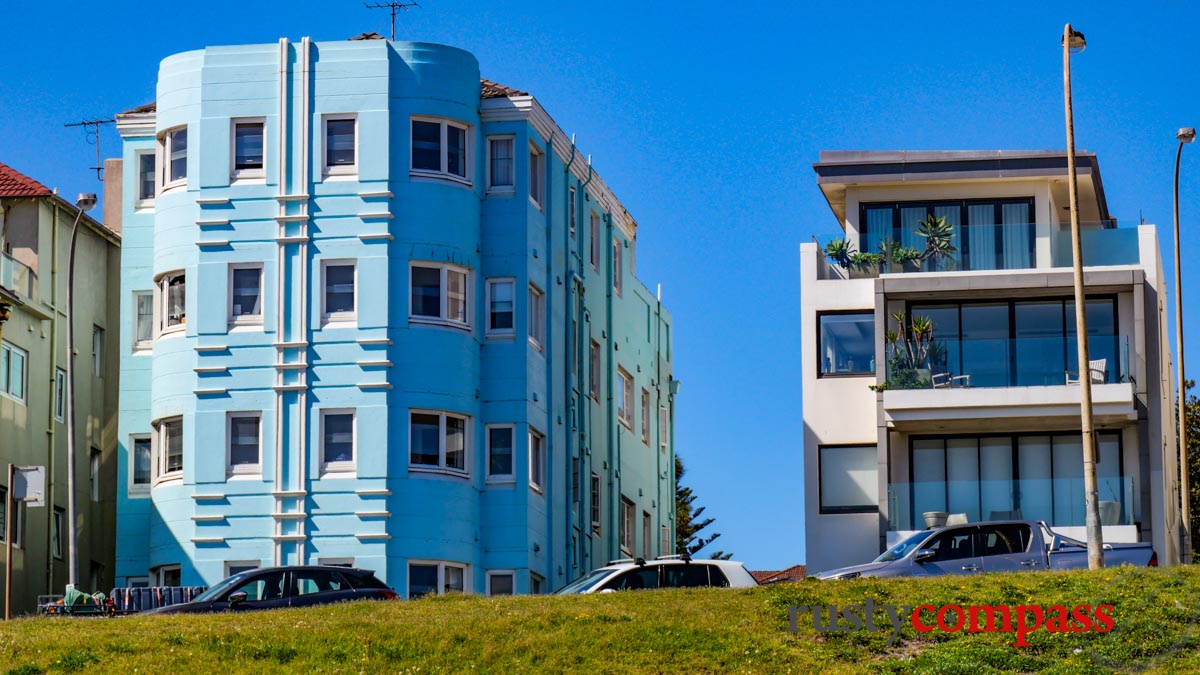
<point>378,311</point>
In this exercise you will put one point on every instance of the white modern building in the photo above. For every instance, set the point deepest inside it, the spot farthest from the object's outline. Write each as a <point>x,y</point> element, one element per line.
<point>944,387</point>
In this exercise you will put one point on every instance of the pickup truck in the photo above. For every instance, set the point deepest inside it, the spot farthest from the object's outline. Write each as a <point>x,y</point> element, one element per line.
<point>997,546</point>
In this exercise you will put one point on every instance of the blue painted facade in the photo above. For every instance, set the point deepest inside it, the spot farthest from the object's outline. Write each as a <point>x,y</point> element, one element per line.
<point>381,511</point>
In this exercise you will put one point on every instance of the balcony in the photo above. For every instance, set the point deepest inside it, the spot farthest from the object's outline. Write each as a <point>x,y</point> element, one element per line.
<point>17,277</point>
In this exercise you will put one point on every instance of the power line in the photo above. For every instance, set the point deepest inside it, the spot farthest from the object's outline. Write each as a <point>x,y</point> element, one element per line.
<point>395,6</point>
<point>92,135</point>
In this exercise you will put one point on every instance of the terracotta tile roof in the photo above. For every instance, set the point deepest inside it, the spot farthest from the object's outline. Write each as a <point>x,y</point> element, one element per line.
<point>495,90</point>
<point>148,108</point>
<point>13,183</point>
<point>793,573</point>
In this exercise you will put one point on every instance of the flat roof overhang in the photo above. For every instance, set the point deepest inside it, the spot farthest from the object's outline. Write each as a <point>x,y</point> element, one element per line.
<point>981,410</point>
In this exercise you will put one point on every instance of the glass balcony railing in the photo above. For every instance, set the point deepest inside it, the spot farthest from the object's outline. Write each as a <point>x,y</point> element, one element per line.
<point>1005,362</point>
<point>1058,501</point>
<point>17,277</point>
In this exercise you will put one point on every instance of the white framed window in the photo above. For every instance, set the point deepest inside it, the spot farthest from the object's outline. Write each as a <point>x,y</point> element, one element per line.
<point>60,394</point>
<point>172,302</point>
<point>595,503</point>
<point>147,179</point>
<point>440,148</point>
<point>572,209</point>
<point>594,362</point>
<point>537,176</point>
<point>595,241</point>
<point>140,463</point>
<point>627,531</point>
<point>537,460</point>
<point>243,443</point>
<point>340,147</point>
<point>664,428</point>
<point>94,460</point>
<point>339,297</point>
<point>143,320</point>
<point>501,304</point>
<point>248,155</point>
<point>646,417</point>
<point>174,145</point>
<point>501,166</point>
<point>440,294</point>
<point>233,567</point>
<point>56,530</point>
<point>501,582</point>
<point>13,375</point>
<point>97,351</point>
<point>435,577</point>
<point>618,272</point>
<point>338,440</point>
<point>167,575</point>
<point>647,552</point>
<point>625,399</point>
<point>500,441</point>
<point>167,446</point>
<point>438,441</point>
<point>537,317</point>
<point>245,294</point>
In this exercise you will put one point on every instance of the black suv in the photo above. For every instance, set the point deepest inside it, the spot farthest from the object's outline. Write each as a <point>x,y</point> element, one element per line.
<point>278,587</point>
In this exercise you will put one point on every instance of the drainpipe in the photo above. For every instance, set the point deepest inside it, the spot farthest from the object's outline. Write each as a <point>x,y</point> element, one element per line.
<point>658,399</point>
<point>568,364</point>
<point>548,337</point>
<point>614,432</point>
<point>53,382</point>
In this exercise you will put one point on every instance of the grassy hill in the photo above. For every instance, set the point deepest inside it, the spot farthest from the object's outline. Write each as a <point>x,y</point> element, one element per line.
<point>1156,628</point>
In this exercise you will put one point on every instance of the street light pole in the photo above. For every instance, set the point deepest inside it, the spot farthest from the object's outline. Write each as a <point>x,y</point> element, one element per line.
<point>1185,135</point>
<point>1072,41</point>
<point>85,202</point>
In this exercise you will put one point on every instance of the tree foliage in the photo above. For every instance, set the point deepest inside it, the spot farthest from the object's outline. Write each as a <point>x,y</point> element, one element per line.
<point>1192,420</point>
<point>689,520</point>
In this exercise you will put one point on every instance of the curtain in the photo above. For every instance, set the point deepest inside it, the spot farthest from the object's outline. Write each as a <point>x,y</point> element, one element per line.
<point>879,228</point>
<point>981,237</point>
<point>952,214</point>
<point>910,217</point>
<point>1018,236</point>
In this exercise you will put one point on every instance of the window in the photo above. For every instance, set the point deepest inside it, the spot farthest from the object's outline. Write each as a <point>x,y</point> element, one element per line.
<point>338,294</point>
<point>664,541</point>
<point>500,451</point>
<point>596,503</point>
<point>312,581</point>
<point>501,310</point>
<point>337,562</point>
<point>94,459</point>
<point>627,531</point>
<point>647,553</point>
<point>664,428</point>
<point>233,567</point>
<point>56,530</point>
<point>438,440</point>
<point>595,226</point>
<point>337,439</point>
<point>167,575</point>
<point>244,441</point>
<point>989,234</point>
<point>175,153</point>
<point>168,438</point>
<point>439,147</point>
<point>143,320</point>
<point>245,293</point>
<point>537,583</point>
<point>341,145</point>
<point>12,371</point>
<point>572,208</point>
<point>248,148</point>
<point>537,460</point>
<point>576,353</point>
<point>60,394</point>
<point>625,399</point>
<point>646,417</point>
<point>440,293</point>
<point>537,317</point>
<point>18,519</point>
<point>537,176</point>
<point>172,307</point>
<point>849,478</point>
<point>435,578</point>
<point>146,179</point>
<point>618,273</point>
<point>500,164</point>
<point>846,343</point>
<point>595,374</point>
<point>140,461</point>
<point>500,582</point>
<point>97,351</point>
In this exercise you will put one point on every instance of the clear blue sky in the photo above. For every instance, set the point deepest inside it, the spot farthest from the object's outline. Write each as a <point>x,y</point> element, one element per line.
<point>705,117</point>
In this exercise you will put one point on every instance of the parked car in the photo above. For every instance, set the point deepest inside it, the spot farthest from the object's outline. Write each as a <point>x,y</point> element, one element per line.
<point>279,587</point>
<point>663,572</point>
<point>1000,546</point>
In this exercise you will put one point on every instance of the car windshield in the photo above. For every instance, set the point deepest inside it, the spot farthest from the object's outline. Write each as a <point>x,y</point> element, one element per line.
<point>585,583</point>
<point>903,548</point>
<point>216,591</point>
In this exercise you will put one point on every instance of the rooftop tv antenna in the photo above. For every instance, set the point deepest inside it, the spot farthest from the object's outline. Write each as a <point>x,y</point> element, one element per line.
<point>395,6</point>
<point>92,134</point>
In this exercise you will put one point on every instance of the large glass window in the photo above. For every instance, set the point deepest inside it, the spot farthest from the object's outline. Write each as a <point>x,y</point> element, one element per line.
<point>440,147</point>
<point>438,440</point>
<point>986,234</point>
<point>849,479</point>
<point>439,293</point>
<point>846,343</point>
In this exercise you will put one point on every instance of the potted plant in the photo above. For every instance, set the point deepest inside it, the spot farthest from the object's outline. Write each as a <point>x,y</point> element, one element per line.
<point>909,349</point>
<point>839,251</point>
<point>939,239</point>
<point>864,265</point>
<point>899,258</point>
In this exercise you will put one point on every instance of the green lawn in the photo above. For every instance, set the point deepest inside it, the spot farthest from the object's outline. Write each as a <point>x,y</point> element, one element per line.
<point>1156,617</point>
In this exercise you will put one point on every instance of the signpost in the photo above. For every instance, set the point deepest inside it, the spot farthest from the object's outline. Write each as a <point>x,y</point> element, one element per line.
<point>26,484</point>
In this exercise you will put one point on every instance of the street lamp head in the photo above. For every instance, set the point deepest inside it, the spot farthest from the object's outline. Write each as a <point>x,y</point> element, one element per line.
<point>1186,135</point>
<point>86,201</point>
<point>1074,41</point>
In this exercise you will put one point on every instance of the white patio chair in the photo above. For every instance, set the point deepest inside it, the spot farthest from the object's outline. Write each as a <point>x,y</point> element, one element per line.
<point>1098,369</point>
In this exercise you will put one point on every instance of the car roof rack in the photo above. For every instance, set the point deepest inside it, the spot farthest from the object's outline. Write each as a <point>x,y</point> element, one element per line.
<point>685,557</point>
<point>637,561</point>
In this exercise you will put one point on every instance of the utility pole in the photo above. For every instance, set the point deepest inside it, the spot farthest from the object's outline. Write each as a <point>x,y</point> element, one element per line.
<point>92,134</point>
<point>395,6</point>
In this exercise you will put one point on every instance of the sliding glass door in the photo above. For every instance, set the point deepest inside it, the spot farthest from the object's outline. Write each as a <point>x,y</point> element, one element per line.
<point>995,234</point>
